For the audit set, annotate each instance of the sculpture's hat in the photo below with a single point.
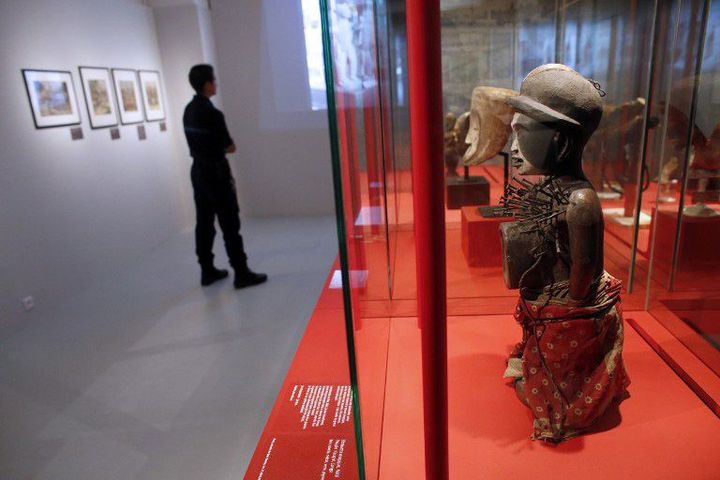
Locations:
(558, 95)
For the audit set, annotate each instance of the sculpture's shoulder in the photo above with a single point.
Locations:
(584, 207)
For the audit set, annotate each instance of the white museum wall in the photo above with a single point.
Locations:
(207, 36)
(185, 39)
(75, 211)
(282, 165)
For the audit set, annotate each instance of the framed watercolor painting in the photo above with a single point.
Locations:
(152, 95)
(52, 98)
(127, 91)
(99, 98)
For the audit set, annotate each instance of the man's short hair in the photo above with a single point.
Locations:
(199, 75)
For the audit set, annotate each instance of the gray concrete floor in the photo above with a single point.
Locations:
(149, 376)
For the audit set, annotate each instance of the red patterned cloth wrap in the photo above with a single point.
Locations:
(568, 368)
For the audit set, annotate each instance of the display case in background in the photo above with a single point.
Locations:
(683, 265)
(655, 163)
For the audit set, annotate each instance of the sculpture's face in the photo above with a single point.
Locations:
(534, 147)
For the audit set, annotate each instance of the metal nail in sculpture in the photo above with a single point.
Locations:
(568, 368)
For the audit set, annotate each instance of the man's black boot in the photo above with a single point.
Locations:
(247, 278)
(211, 275)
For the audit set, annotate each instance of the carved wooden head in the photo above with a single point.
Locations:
(489, 127)
(556, 113)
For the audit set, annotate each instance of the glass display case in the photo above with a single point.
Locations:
(654, 161)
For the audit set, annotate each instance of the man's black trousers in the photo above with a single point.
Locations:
(214, 193)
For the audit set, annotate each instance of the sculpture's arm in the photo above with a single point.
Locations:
(585, 223)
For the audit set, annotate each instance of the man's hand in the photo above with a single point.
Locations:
(231, 149)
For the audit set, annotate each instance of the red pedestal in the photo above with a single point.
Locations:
(698, 241)
(481, 238)
(460, 191)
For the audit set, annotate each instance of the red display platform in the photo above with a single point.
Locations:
(481, 238)
(310, 421)
(664, 430)
(310, 431)
(698, 241)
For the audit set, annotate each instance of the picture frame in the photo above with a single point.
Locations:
(152, 92)
(52, 97)
(99, 97)
(127, 92)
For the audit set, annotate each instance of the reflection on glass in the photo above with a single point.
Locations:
(492, 44)
(654, 163)
(683, 291)
(353, 38)
(314, 53)
(368, 58)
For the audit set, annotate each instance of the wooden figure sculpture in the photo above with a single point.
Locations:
(488, 132)
(467, 189)
(568, 368)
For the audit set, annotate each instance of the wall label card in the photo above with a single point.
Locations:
(142, 135)
(321, 457)
(76, 133)
(320, 408)
(163, 126)
(114, 133)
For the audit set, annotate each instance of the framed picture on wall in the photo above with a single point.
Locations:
(127, 91)
(52, 98)
(99, 98)
(152, 95)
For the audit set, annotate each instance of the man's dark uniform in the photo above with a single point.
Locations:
(213, 183)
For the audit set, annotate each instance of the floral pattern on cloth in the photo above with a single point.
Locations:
(568, 368)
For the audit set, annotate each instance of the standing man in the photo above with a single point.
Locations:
(213, 183)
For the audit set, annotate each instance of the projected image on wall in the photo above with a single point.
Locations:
(352, 30)
(314, 53)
